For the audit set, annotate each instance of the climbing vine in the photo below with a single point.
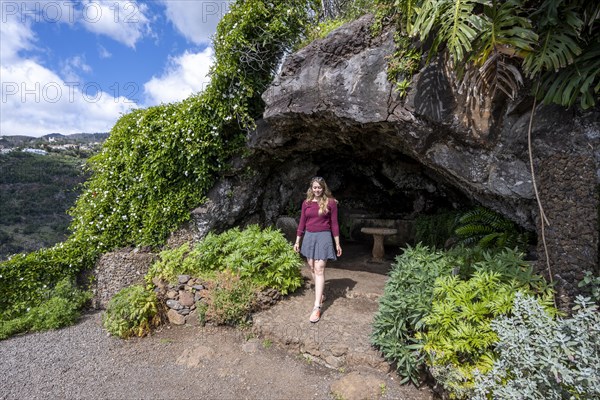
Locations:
(159, 162)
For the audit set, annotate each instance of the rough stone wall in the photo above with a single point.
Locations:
(117, 270)
(569, 197)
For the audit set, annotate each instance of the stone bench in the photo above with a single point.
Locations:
(378, 235)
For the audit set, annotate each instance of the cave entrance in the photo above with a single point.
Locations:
(389, 192)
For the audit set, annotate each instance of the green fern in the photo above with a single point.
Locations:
(435, 230)
(488, 229)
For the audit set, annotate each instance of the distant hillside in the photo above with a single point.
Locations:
(35, 193)
(80, 145)
(76, 138)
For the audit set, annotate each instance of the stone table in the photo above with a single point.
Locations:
(378, 235)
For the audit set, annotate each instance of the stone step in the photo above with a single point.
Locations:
(341, 338)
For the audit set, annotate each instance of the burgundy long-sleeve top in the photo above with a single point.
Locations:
(311, 221)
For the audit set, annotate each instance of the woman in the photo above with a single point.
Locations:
(318, 222)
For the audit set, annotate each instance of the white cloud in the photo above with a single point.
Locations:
(36, 101)
(71, 67)
(196, 20)
(122, 20)
(185, 75)
(103, 52)
(125, 21)
(14, 36)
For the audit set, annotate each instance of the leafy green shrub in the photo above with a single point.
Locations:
(61, 308)
(25, 278)
(172, 263)
(488, 229)
(133, 311)
(458, 337)
(230, 299)
(543, 358)
(261, 256)
(158, 163)
(591, 283)
(406, 300)
(403, 63)
(400, 325)
(434, 230)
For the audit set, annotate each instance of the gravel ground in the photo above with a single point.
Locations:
(82, 362)
(185, 362)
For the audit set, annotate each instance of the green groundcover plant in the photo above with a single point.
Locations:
(457, 334)
(230, 299)
(61, 307)
(133, 311)
(406, 300)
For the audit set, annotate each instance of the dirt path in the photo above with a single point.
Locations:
(282, 357)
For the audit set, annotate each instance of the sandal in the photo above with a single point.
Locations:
(315, 316)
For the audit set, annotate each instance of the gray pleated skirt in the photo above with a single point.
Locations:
(318, 246)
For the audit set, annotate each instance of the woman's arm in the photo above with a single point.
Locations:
(335, 227)
(301, 227)
(338, 248)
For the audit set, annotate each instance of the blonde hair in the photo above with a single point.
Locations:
(324, 200)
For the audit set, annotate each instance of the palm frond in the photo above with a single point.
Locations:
(504, 31)
(504, 37)
(498, 73)
(456, 22)
(426, 18)
(559, 45)
(407, 10)
(580, 80)
(591, 13)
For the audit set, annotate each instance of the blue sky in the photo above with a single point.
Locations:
(75, 66)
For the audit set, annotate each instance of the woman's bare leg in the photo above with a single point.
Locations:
(319, 279)
(311, 266)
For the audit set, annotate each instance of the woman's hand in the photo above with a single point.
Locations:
(297, 247)
(338, 249)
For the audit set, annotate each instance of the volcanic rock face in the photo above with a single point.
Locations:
(333, 107)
